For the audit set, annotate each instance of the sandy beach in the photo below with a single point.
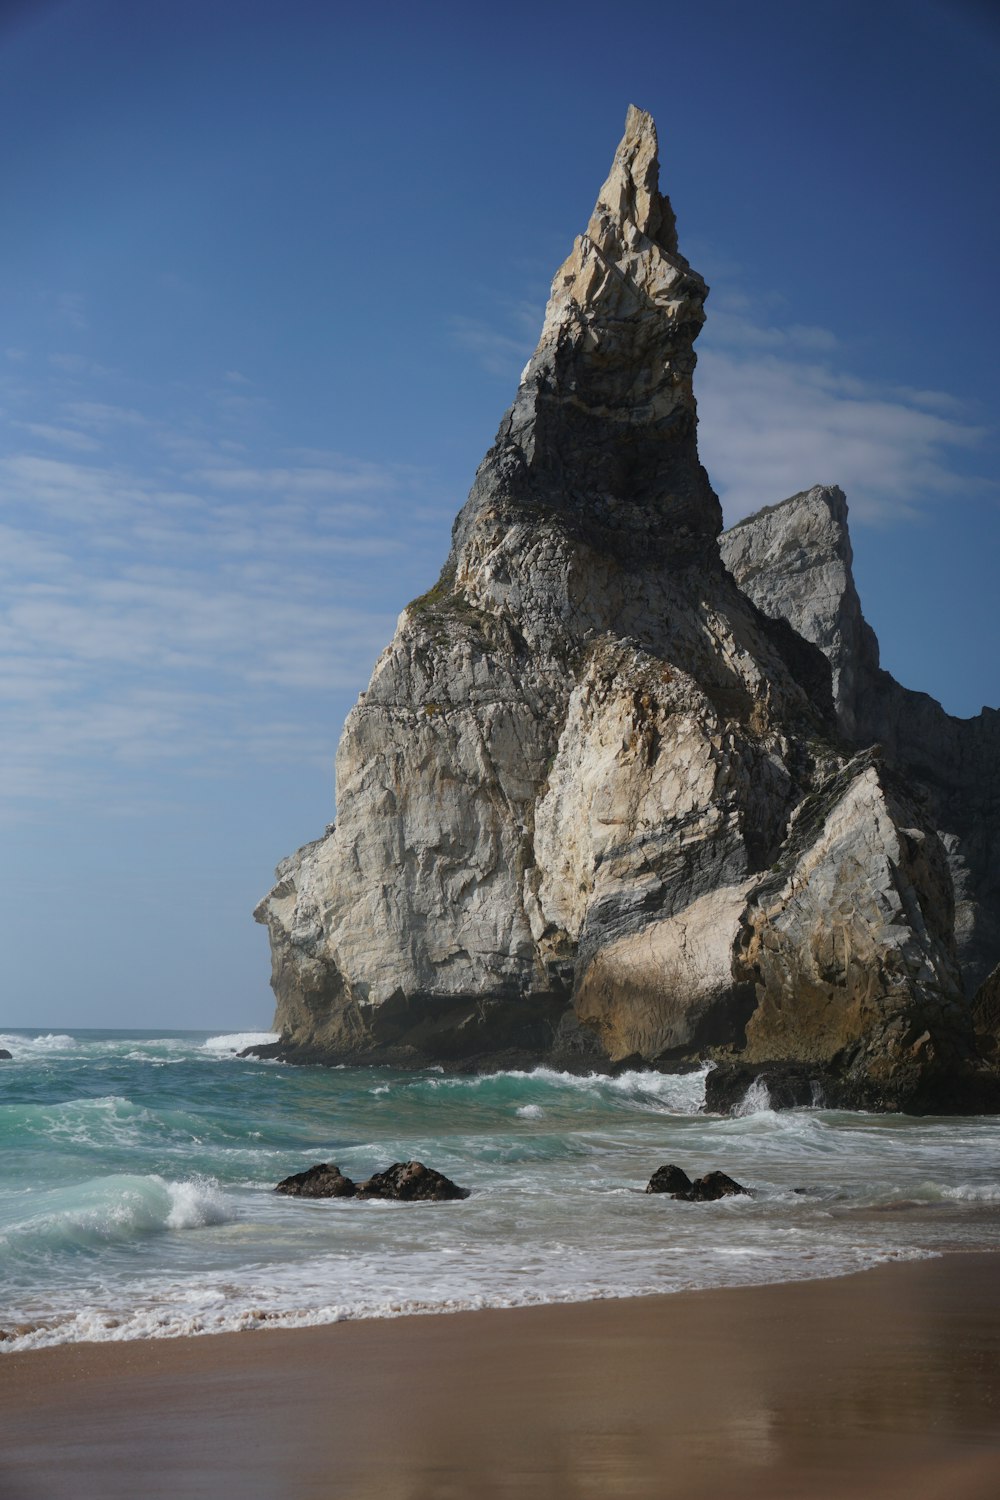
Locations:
(883, 1384)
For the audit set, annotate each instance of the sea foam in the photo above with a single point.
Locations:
(237, 1041)
(108, 1210)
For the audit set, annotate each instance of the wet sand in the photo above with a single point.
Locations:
(881, 1385)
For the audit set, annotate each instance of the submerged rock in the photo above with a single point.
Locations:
(319, 1181)
(411, 1182)
(707, 1189)
(596, 801)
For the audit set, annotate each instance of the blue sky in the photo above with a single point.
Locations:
(268, 275)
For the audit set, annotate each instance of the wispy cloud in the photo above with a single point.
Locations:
(70, 309)
(780, 410)
(737, 329)
(62, 437)
(78, 364)
(172, 599)
(344, 478)
(497, 352)
(104, 415)
(502, 342)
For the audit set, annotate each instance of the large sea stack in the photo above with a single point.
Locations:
(601, 800)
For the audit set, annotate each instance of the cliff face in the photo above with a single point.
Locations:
(794, 560)
(595, 801)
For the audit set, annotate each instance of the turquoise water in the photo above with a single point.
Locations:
(137, 1174)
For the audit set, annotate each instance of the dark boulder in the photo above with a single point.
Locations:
(971, 1089)
(788, 1085)
(319, 1181)
(670, 1179)
(716, 1185)
(404, 1181)
(411, 1182)
(264, 1052)
(6, 1056)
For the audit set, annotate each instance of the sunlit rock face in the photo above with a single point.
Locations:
(595, 803)
(795, 561)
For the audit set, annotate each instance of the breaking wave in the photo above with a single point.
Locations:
(107, 1210)
(237, 1041)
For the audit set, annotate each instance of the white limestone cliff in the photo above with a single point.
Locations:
(578, 803)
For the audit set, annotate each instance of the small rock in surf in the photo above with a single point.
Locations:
(404, 1182)
(410, 1182)
(714, 1185)
(319, 1181)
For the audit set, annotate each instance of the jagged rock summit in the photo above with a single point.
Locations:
(596, 804)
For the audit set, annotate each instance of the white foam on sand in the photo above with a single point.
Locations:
(194, 1310)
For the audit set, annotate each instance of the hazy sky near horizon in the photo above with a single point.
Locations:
(268, 275)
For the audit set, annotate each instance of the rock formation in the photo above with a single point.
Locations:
(596, 803)
(403, 1182)
(412, 1182)
(708, 1189)
(318, 1181)
(794, 560)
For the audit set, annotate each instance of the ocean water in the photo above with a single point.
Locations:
(137, 1175)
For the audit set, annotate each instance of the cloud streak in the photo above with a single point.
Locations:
(771, 425)
(155, 615)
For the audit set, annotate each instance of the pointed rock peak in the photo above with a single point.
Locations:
(625, 291)
(631, 193)
(627, 266)
(826, 502)
(603, 428)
